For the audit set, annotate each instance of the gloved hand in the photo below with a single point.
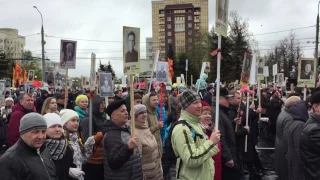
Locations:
(75, 173)
(90, 141)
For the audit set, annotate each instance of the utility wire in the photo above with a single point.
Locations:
(284, 30)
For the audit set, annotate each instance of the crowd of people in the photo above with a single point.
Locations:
(174, 135)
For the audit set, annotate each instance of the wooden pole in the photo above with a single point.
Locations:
(66, 91)
(259, 97)
(186, 79)
(292, 88)
(132, 107)
(238, 114)
(305, 93)
(247, 122)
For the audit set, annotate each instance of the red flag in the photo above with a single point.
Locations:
(215, 52)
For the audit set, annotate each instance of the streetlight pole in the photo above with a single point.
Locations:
(42, 44)
(317, 34)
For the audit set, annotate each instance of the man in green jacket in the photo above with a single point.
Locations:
(193, 149)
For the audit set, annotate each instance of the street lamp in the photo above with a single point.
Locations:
(317, 33)
(42, 44)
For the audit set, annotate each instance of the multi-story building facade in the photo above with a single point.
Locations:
(149, 50)
(11, 43)
(177, 22)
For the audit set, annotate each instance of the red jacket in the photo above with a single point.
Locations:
(217, 161)
(13, 135)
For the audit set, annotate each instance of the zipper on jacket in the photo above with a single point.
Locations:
(38, 152)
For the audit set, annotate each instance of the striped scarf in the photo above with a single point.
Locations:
(57, 148)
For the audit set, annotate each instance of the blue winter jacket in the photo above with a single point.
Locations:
(164, 119)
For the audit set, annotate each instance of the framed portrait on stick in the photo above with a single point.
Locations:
(306, 72)
(30, 75)
(131, 50)
(162, 71)
(68, 52)
(246, 68)
(105, 84)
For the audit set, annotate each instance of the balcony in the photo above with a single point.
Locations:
(197, 13)
(197, 20)
(179, 29)
(179, 22)
(161, 15)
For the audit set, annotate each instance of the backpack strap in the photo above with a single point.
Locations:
(193, 132)
(194, 136)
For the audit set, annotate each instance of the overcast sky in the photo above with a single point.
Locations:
(104, 19)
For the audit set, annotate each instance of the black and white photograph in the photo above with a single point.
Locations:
(307, 72)
(2, 89)
(31, 75)
(105, 84)
(162, 71)
(280, 79)
(68, 54)
(222, 17)
(222, 10)
(131, 50)
(260, 66)
(307, 69)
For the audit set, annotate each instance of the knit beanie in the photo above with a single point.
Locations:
(188, 97)
(138, 109)
(52, 119)
(78, 99)
(30, 122)
(66, 115)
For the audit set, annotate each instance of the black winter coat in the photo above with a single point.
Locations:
(21, 162)
(284, 121)
(310, 147)
(299, 113)
(63, 165)
(119, 161)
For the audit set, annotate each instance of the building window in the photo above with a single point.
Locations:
(169, 41)
(169, 33)
(190, 32)
(169, 18)
(189, 17)
(189, 25)
(150, 50)
(189, 10)
(190, 40)
(169, 26)
(150, 43)
(162, 34)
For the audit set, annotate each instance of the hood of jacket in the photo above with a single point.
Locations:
(96, 105)
(146, 102)
(298, 111)
(314, 116)
(109, 125)
(204, 77)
